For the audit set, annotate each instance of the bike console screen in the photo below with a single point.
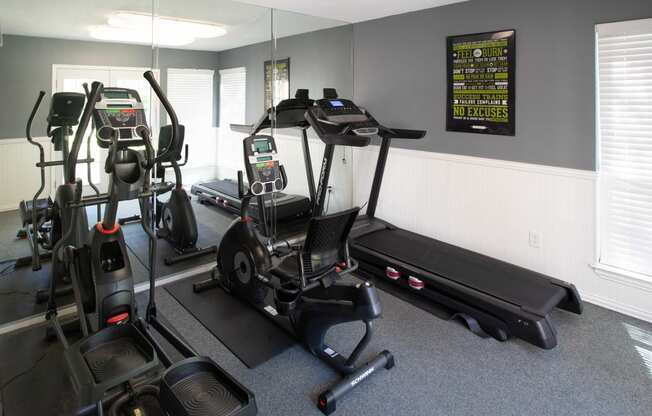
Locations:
(262, 164)
(120, 112)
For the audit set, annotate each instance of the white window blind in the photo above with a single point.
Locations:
(233, 96)
(233, 107)
(624, 52)
(190, 92)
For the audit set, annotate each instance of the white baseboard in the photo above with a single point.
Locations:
(617, 306)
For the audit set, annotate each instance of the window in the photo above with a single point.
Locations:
(190, 92)
(624, 108)
(233, 106)
(233, 88)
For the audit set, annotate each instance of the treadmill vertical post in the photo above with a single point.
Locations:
(308, 163)
(378, 176)
(327, 162)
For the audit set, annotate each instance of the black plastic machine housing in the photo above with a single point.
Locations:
(491, 295)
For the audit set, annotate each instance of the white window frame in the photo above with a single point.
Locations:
(616, 274)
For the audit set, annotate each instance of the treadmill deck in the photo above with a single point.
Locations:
(510, 283)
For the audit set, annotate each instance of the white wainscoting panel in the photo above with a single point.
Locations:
(19, 177)
(492, 206)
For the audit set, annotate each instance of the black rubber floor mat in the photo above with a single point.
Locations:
(33, 375)
(246, 332)
(18, 293)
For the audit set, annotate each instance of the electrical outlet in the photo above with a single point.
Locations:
(534, 239)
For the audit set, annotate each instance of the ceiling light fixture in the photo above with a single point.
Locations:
(165, 31)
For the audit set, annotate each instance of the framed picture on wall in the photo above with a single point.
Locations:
(280, 85)
(481, 83)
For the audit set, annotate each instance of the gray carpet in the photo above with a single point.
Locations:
(599, 368)
(602, 366)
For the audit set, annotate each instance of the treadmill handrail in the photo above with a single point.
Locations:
(405, 134)
(242, 128)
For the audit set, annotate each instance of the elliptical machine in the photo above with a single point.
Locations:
(45, 220)
(299, 287)
(119, 364)
(175, 218)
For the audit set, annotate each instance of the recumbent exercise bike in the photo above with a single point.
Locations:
(299, 287)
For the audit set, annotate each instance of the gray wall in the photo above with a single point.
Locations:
(400, 75)
(317, 59)
(26, 67)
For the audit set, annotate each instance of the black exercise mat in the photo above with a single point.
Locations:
(34, 375)
(18, 290)
(18, 293)
(249, 335)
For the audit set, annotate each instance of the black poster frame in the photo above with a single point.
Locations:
(483, 126)
(269, 82)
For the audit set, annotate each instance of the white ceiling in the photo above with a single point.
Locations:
(352, 10)
(70, 19)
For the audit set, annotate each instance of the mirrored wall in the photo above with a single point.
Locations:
(310, 54)
(223, 64)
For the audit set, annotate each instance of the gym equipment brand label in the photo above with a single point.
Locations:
(481, 76)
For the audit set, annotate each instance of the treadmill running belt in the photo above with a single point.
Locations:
(496, 278)
(225, 186)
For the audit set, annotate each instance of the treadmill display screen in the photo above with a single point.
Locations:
(336, 103)
(262, 146)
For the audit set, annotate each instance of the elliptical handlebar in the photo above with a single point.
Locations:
(176, 132)
(96, 89)
(28, 129)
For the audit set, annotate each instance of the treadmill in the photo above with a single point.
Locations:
(492, 296)
(223, 193)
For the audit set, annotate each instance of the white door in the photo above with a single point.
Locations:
(71, 78)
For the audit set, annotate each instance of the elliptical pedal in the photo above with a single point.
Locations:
(198, 387)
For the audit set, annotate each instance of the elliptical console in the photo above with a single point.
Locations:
(119, 110)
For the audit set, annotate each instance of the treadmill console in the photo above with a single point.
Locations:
(341, 112)
(119, 111)
(262, 165)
